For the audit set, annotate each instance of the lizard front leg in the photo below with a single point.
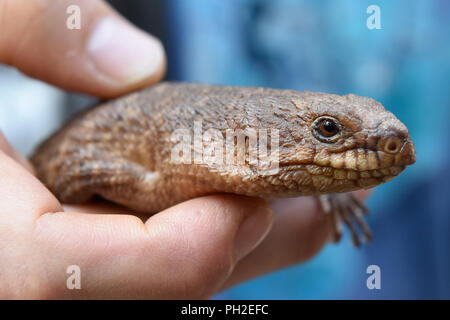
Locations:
(118, 180)
(346, 208)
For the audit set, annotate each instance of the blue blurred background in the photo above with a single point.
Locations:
(318, 46)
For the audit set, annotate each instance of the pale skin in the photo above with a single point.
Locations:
(192, 250)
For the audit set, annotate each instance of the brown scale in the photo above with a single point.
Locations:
(329, 145)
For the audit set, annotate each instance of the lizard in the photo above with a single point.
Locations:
(128, 150)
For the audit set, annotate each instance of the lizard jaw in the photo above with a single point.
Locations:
(326, 179)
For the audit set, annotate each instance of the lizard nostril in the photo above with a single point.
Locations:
(393, 145)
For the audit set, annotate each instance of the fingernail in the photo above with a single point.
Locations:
(122, 52)
(252, 231)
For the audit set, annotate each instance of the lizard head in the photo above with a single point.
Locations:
(344, 143)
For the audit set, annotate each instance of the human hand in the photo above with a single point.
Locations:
(192, 250)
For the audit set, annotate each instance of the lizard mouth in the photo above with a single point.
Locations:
(325, 171)
(346, 174)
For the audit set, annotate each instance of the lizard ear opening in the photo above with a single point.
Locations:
(326, 129)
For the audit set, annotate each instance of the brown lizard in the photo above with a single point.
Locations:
(328, 145)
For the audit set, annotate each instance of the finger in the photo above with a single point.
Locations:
(298, 233)
(106, 56)
(186, 251)
(14, 154)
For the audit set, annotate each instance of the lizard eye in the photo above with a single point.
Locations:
(326, 129)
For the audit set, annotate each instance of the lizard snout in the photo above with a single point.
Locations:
(401, 148)
(406, 155)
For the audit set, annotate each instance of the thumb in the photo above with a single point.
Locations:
(81, 45)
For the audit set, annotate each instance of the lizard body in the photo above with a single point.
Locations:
(123, 150)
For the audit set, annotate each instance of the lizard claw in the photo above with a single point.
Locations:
(346, 208)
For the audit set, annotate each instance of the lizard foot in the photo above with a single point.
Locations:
(346, 208)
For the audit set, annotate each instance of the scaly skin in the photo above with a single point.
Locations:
(122, 149)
